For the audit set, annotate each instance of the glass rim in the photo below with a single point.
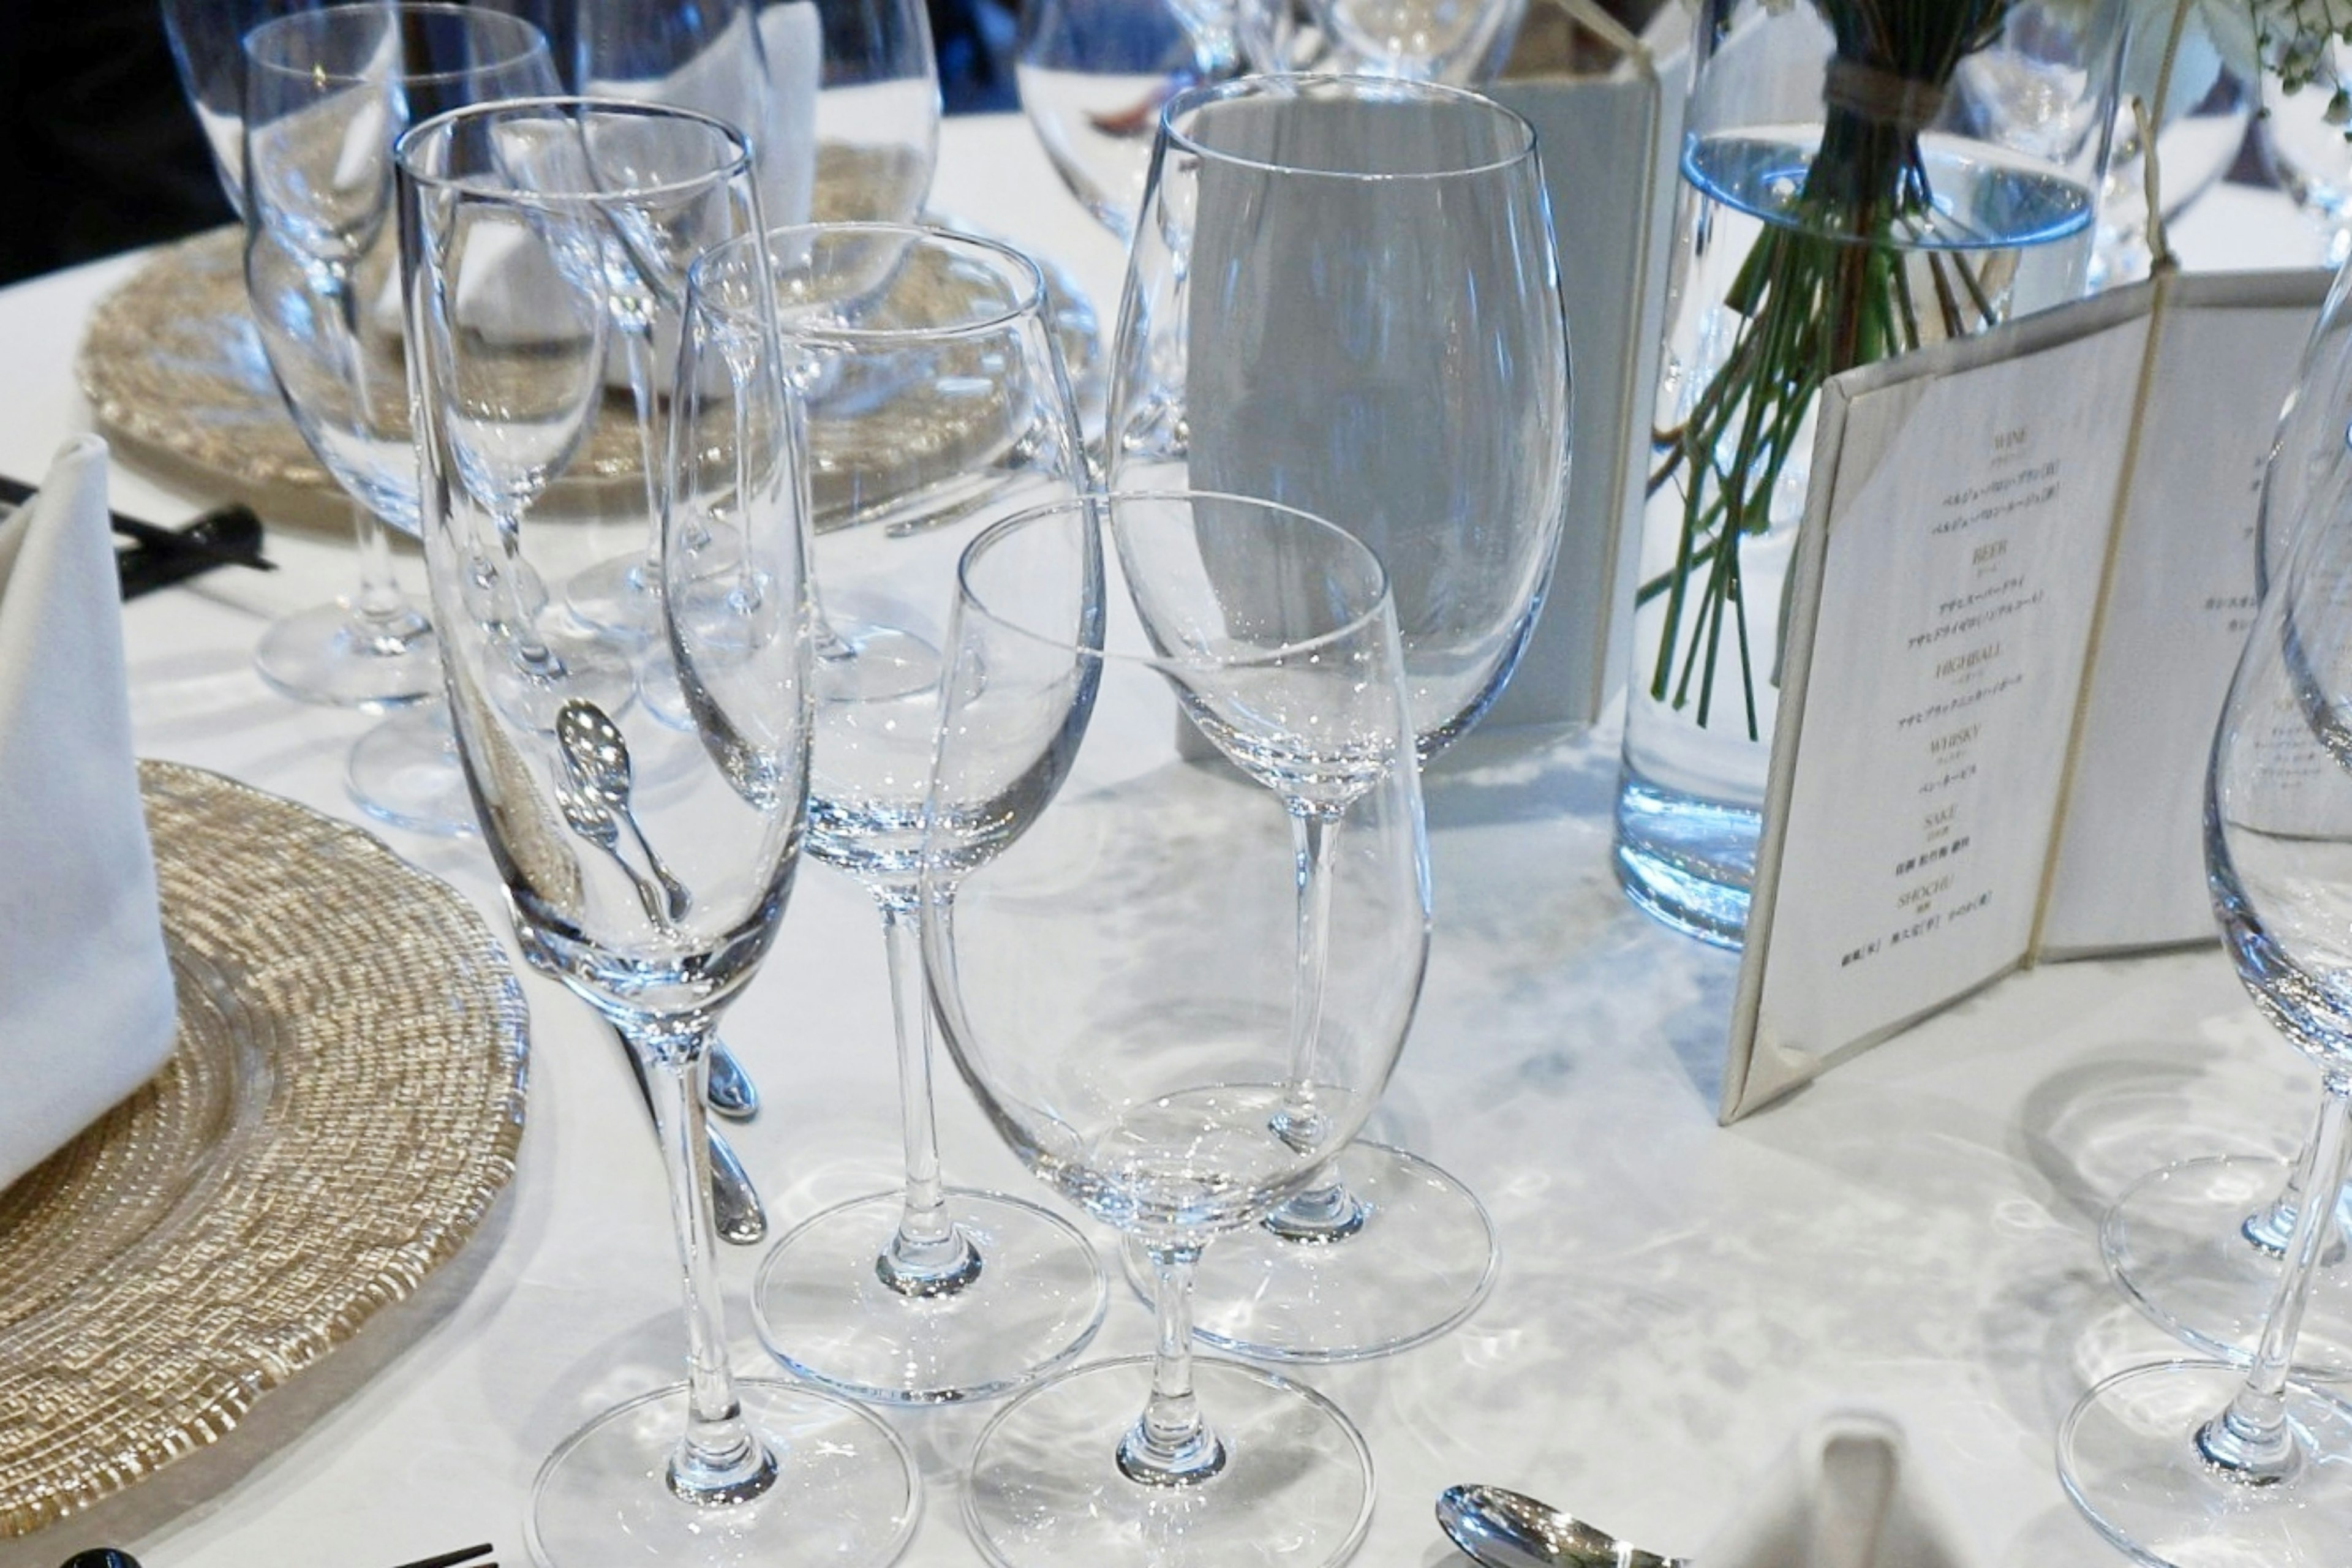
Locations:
(403, 150)
(1365, 89)
(1099, 502)
(1029, 303)
(529, 34)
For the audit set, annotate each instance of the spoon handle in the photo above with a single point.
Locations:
(729, 1091)
(736, 1209)
(679, 900)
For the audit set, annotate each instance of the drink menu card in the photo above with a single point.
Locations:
(2025, 572)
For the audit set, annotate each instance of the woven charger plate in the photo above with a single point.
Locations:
(344, 1099)
(175, 374)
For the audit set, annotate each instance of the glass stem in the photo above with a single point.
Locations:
(2272, 1226)
(718, 1459)
(2250, 1440)
(1327, 1211)
(384, 613)
(637, 349)
(926, 1255)
(1169, 1445)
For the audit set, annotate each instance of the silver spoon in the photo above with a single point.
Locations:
(589, 817)
(735, 1209)
(1510, 1530)
(596, 761)
(596, 806)
(729, 1091)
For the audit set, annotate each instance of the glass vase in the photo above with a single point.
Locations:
(1860, 178)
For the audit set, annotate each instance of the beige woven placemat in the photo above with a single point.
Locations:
(344, 1100)
(175, 374)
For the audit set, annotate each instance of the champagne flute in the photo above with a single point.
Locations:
(1344, 298)
(325, 92)
(1110, 929)
(646, 868)
(2197, 1462)
(935, 404)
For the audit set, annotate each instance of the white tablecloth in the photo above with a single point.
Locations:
(1917, 1229)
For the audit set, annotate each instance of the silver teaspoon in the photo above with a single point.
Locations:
(597, 761)
(1510, 1530)
(588, 817)
(735, 1209)
(730, 1090)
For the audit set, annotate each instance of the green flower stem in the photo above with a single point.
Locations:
(1827, 290)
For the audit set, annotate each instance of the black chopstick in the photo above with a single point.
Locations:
(451, 1559)
(224, 536)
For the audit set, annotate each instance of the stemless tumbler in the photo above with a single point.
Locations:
(1343, 297)
(1112, 933)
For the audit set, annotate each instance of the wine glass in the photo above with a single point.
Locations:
(1113, 936)
(2197, 1462)
(2207, 108)
(840, 101)
(1093, 75)
(1344, 298)
(700, 56)
(2196, 1244)
(2309, 157)
(876, 118)
(207, 42)
(1458, 41)
(325, 92)
(648, 867)
(934, 403)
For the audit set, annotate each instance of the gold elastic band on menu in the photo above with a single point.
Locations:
(1881, 95)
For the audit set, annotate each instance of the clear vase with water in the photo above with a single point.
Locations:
(1861, 179)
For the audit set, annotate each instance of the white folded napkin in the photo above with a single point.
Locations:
(1844, 1494)
(86, 1004)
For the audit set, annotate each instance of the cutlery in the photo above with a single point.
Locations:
(594, 801)
(596, 762)
(729, 1091)
(224, 536)
(115, 1557)
(1504, 1529)
(451, 1559)
(591, 820)
(735, 1203)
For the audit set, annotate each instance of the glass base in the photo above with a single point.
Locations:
(616, 596)
(329, 653)
(847, 1492)
(1045, 1489)
(587, 667)
(2128, 1454)
(859, 661)
(1423, 1260)
(825, 1313)
(1685, 860)
(405, 772)
(2174, 1246)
